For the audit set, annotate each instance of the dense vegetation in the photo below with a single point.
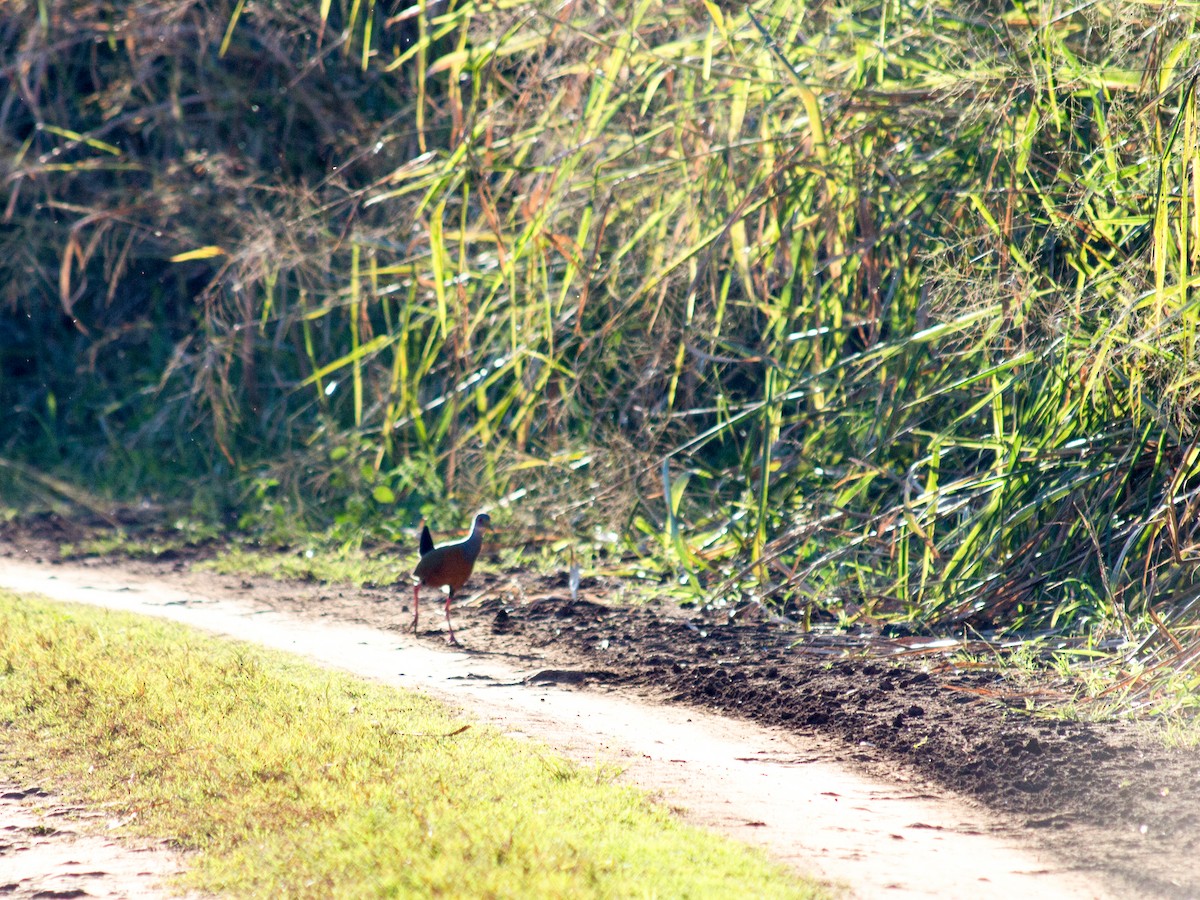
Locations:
(876, 308)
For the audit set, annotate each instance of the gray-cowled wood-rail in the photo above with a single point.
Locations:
(447, 567)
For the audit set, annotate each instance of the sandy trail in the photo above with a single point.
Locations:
(43, 854)
(786, 794)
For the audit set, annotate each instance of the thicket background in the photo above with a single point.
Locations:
(875, 309)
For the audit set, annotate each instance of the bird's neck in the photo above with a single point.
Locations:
(473, 542)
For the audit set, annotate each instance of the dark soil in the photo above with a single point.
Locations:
(1104, 796)
(1109, 792)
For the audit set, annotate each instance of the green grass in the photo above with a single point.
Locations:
(300, 782)
(337, 566)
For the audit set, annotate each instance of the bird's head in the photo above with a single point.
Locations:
(483, 520)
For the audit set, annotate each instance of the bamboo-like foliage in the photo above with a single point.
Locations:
(874, 309)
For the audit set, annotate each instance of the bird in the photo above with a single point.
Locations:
(448, 566)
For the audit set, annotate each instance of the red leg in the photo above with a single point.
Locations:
(453, 639)
(416, 608)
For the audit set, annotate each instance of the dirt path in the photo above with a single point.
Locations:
(766, 786)
(45, 852)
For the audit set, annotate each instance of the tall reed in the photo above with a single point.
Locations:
(865, 310)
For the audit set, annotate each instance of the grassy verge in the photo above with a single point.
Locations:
(344, 565)
(295, 781)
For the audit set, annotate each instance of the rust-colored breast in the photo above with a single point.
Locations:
(445, 567)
